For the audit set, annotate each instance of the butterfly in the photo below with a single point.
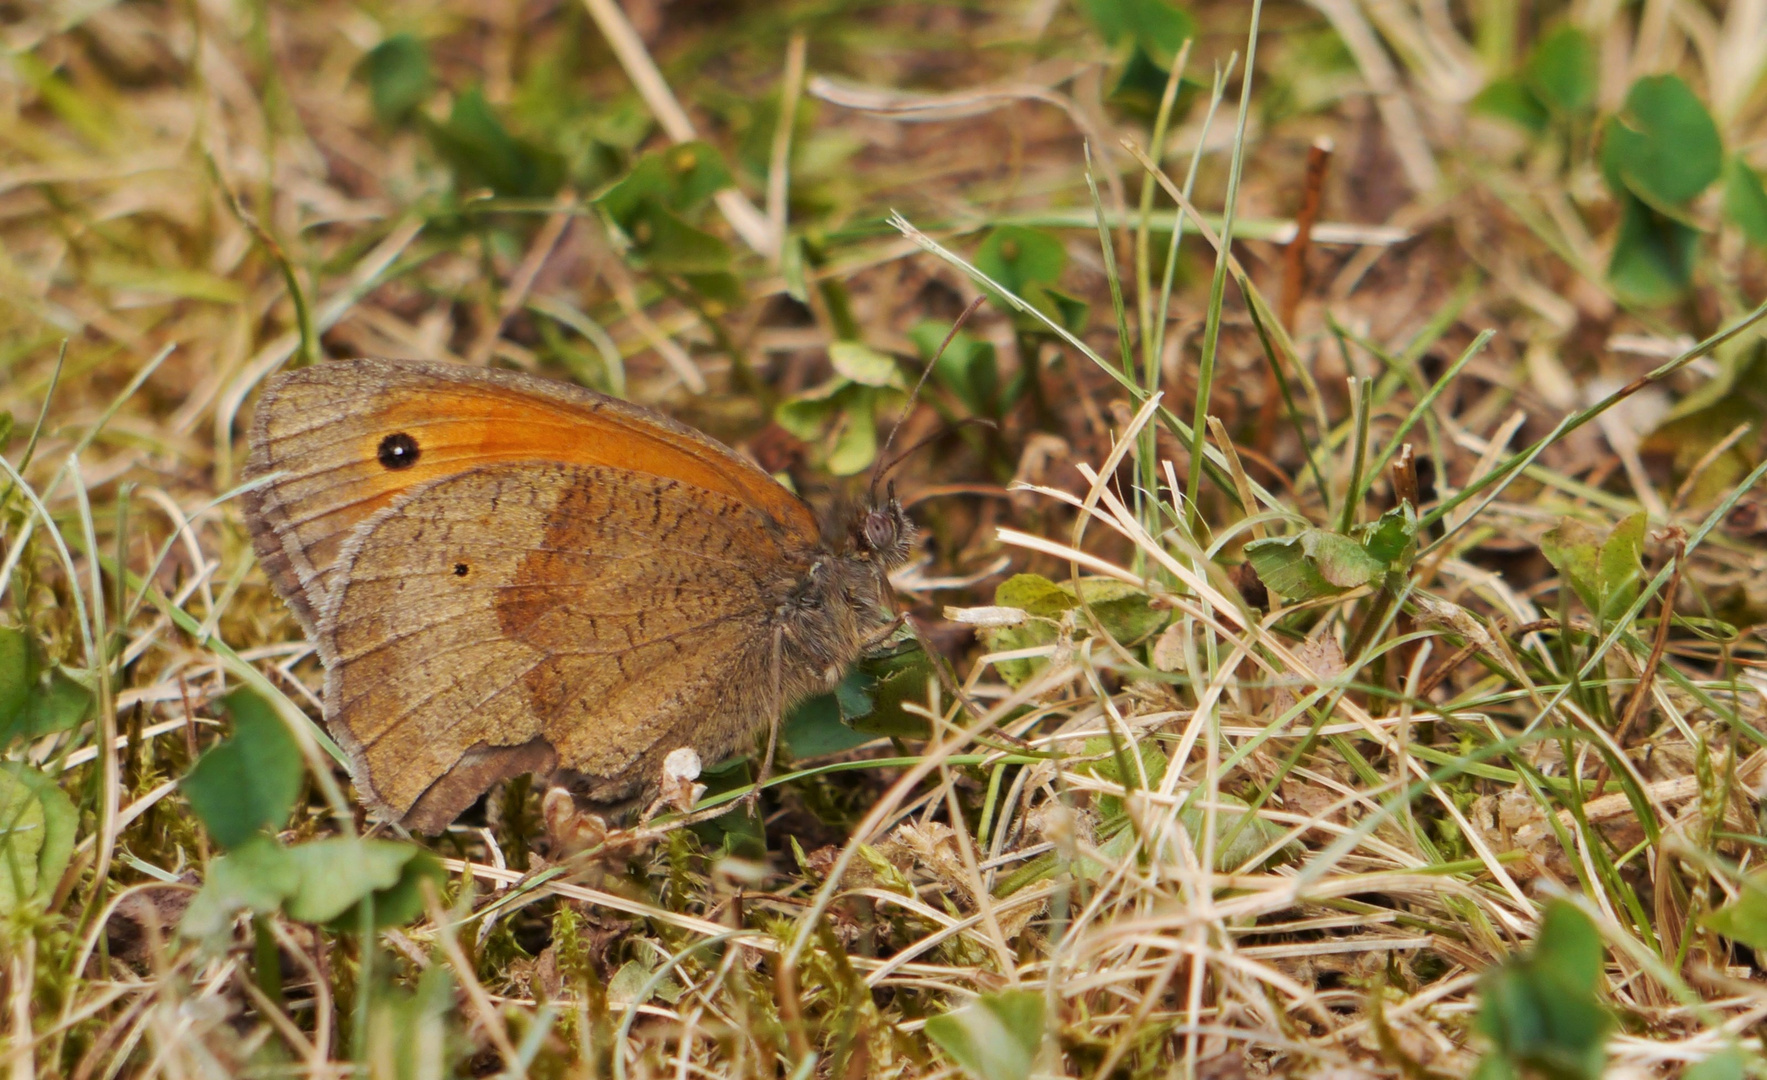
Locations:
(505, 574)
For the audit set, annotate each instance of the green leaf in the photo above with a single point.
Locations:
(1141, 85)
(1744, 919)
(410, 1031)
(721, 291)
(1562, 72)
(399, 78)
(1016, 256)
(807, 414)
(248, 783)
(1392, 539)
(34, 701)
(855, 442)
(865, 365)
(1108, 768)
(1029, 635)
(1540, 1010)
(1604, 571)
(337, 874)
(1570, 946)
(1313, 564)
(967, 368)
(893, 679)
(740, 833)
(1726, 1064)
(681, 179)
(669, 245)
(994, 1038)
(1511, 99)
(1340, 559)
(17, 676)
(256, 876)
(37, 824)
(1069, 312)
(1663, 146)
(1121, 609)
(1745, 202)
(483, 153)
(695, 172)
(1156, 27)
(815, 728)
(1653, 255)
(1035, 595)
(1254, 836)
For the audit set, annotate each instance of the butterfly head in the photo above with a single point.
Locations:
(883, 534)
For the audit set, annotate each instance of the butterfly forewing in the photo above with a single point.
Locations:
(348, 438)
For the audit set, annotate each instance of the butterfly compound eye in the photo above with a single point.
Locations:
(886, 532)
(397, 451)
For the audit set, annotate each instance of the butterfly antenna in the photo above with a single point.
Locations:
(914, 396)
(889, 466)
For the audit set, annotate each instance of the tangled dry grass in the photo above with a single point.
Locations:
(1168, 818)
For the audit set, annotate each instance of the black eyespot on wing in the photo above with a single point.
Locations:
(398, 451)
(460, 569)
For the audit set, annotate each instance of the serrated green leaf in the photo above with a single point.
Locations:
(248, 783)
(994, 1038)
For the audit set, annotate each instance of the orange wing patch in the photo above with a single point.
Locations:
(352, 436)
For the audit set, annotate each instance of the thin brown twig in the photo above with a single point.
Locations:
(1665, 618)
(1294, 281)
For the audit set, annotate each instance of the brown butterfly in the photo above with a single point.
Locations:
(506, 574)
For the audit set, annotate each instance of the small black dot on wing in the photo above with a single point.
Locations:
(398, 451)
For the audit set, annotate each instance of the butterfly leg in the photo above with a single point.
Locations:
(775, 707)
